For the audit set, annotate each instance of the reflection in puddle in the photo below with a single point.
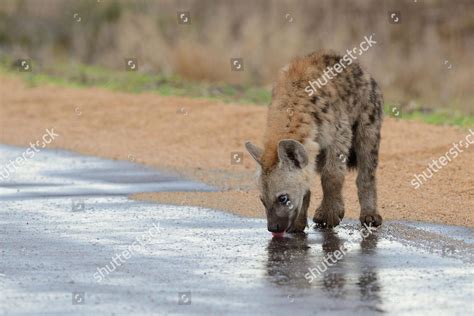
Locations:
(288, 260)
(293, 262)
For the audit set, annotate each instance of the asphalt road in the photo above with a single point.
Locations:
(73, 244)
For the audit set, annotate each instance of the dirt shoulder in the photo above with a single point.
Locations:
(196, 138)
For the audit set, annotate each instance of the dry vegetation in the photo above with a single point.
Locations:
(408, 60)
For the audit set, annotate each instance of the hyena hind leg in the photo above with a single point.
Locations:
(367, 151)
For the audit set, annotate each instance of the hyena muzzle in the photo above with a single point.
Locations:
(325, 126)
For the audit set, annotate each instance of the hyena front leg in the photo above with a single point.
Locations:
(367, 151)
(332, 169)
(301, 221)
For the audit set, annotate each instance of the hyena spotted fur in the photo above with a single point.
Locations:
(329, 130)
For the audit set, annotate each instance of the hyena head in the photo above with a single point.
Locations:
(285, 186)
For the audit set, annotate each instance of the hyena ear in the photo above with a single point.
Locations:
(254, 151)
(291, 152)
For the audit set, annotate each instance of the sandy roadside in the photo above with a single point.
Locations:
(196, 138)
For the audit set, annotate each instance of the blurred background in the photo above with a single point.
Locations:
(423, 61)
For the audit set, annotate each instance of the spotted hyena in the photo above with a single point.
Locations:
(327, 126)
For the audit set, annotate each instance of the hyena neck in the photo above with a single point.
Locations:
(312, 149)
(289, 117)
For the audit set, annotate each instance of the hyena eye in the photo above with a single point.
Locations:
(283, 199)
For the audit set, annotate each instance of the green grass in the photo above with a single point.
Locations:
(440, 118)
(435, 116)
(79, 76)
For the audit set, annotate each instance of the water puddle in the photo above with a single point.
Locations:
(67, 227)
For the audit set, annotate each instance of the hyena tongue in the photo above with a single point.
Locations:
(278, 235)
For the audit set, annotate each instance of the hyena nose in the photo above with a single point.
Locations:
(274, 228)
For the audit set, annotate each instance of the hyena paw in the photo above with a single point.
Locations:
(371, 219)
(298, 227)
(328, 217)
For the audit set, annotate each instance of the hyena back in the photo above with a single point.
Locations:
(329, 129)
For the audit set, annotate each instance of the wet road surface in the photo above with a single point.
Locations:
(67, 227)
